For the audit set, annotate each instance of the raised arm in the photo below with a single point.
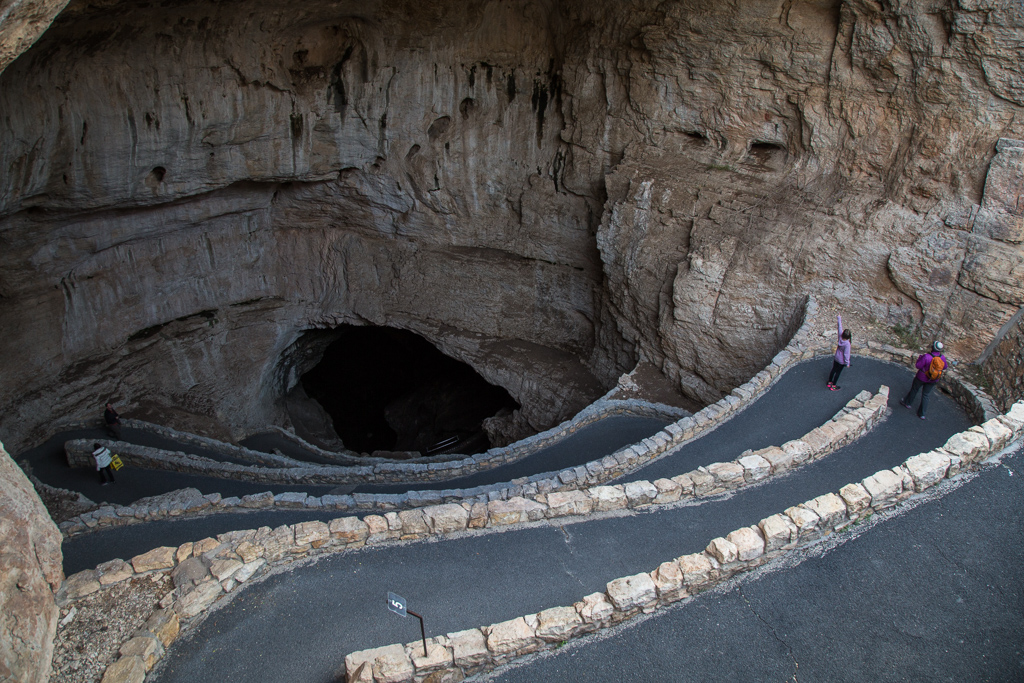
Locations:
(839, 323)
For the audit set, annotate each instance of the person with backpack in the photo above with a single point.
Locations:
(103, 457)
(842, 358)
(930, 367)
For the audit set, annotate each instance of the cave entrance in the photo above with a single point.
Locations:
(387, 389)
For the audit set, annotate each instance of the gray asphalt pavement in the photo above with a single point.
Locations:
(792, 407)
(933, 594)
(298, 625)
(48, 462)
(795, 405)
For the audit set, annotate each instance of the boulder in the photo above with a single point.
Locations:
(131, 669)
(632, 592)
(927, 469)
(447, 518)
(469, 648)
(349, 530)
(557, 624)
(512, 636)
(113, 571)
(608, 498)
(883, 487)
(749, 543)
(565, 503)
(30, 574)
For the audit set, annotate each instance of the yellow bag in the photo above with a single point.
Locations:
(115, 462)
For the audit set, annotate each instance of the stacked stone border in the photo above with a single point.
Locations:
(452, 656)
(188, 502)
(858, 416)
(281, 469)
(204, 571)
(400, 472)
(389, 472)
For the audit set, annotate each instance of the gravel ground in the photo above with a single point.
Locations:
(92, 629)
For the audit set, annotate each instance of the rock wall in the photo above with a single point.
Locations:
(1003, 362)
(211, 211)
(30, 573)
(21, 23)
(548, 191)
(841, 148)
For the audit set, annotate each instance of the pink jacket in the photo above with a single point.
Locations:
(842, 346)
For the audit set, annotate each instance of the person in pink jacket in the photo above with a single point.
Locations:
(842, 357)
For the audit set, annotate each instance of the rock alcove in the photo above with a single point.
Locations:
(386, 389)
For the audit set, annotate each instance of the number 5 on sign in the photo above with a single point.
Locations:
(396, 603)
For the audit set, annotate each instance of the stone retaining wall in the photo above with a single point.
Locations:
(188, 501)
(857, 416)
(452, 656)
(806, 344)
(236, 557)
(204, 571)
(276, 469)
(801, 346)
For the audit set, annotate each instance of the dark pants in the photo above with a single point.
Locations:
(114, 430)
(926, 390)
(105, 474)
(837, 368)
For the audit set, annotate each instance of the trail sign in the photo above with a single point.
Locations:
(396, 603)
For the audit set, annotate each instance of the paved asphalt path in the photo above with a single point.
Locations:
(590, 443)
(792, 407)
(49, 464)
(84, 552)
(299, 624)
(795, 405)
(933, 594)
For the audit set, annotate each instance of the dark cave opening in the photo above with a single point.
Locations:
(387, 389)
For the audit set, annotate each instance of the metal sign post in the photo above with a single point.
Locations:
(397, 604)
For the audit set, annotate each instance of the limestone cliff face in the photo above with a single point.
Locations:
(30, 574)
(251, 179)
(844, 148)
(548, 191)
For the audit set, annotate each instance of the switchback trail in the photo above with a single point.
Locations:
(299, 624)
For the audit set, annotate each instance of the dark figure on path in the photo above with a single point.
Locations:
(113, 421)
(103, 456)
(842, 357)
(930, 367)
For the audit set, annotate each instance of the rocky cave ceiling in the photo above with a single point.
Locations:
(547, 191)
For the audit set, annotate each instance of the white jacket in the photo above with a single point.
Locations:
(102, 456)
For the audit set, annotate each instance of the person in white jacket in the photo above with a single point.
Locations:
(103, 456)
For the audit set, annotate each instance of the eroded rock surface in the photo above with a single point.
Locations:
(546, 191)
(30, 574)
